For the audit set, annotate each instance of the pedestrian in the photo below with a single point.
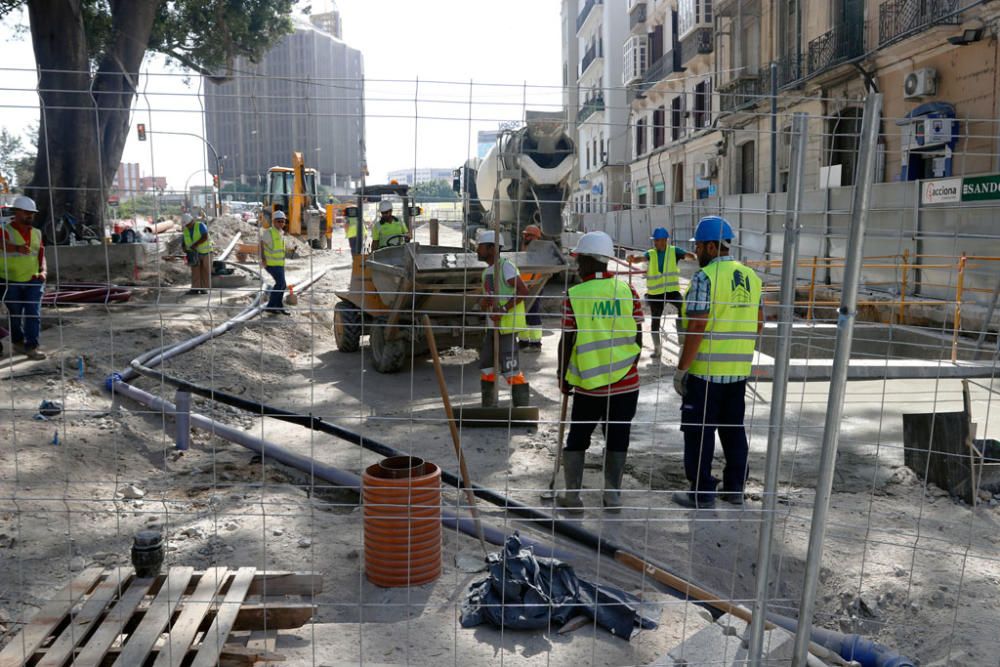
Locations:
(598, 357)
(721, 319)
(529, 339)
(505, 314)
(272, 258)
(24, 277)
(198, 248)
(388, 227)
(663, 280)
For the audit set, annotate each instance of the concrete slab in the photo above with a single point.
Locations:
(119, 262)
(725, 643)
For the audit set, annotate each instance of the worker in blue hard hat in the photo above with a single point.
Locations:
(663, 280)
(721, 318)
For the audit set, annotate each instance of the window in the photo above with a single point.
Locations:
(642, 200)
(693, 14)
(640, 137)
(659, 195)
(703, 104)
(659, 122)
(678, 182)
(675, 118)
(597, 156)
(746, 172)
(636, 58)
(588, 156)
(603, 154)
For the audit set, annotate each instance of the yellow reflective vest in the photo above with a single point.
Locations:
(192, 235)
(605, 346)
(731, 332)
(667, 281)
(274, 254)
(514, 320)
(383, 231)
(18, 268)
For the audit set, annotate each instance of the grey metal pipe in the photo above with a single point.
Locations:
(229, 248)
(783, 353)
(838, 381)
(774, 132)
(182, 419)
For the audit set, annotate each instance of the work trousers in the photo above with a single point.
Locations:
(533, 319)
(614, 413)
(509, 362)
(657, 302)
(276, 295)
(24, 307)
(709, 407)
(201, 273)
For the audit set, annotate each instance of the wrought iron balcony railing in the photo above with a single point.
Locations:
(900, 18)
(637, 15)
(844, 42)
(590, 107)
(742, 93)
(698, 42)
(581, 18)
(592, 54)
(658, 71)
(790, 70)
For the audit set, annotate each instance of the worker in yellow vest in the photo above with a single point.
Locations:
(272, 258)
(198, 248)
(505, 311)
(663, 280)
(530, 338)
(388, 229)
(23, 272)
(721, 318)
(598, 355)
(354, 230)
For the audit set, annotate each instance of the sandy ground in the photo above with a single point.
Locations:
(904, 564)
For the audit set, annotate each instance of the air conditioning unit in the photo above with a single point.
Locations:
(707, 169)
(920, 83)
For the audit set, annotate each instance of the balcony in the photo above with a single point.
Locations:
(636, 15)
(845, 42)
(697, 43)
(658, 71)
(898, 19)
(790, 71)
(733, 8)
(585, 12)
(592, 54)
(590, 107)
(742, 93)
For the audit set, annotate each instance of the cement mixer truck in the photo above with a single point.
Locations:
(525, 178)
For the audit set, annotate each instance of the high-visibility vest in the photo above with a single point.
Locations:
(385, 230)
(18, 268)
(274, 255)
(605, 347)
(731, 332)
(514, 320)
(352, 227)
(192, 235)
(670, 279)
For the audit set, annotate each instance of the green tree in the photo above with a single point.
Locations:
(89, 53)
(11, 150)
(439, 190)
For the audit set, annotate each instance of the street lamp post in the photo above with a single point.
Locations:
(218, 163)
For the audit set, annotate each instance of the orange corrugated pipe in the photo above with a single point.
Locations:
(401, 496)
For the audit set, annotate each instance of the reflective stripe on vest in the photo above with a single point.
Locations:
(192, 236)
(386, 230)
(275, 254)
(731, 332)
(605, 347)
(670, 279)
(18, 268)
(514, 320)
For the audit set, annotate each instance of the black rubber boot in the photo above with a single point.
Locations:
(569, 499)
(614, 470)
(489, 398)
(519, 395)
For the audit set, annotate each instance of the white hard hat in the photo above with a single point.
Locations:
(186, 218)
(280, 215)
(25, 204)
(489, 236)
(596, 244)
(385, 206)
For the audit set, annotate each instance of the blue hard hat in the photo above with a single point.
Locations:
(660, 233)
(713, 228)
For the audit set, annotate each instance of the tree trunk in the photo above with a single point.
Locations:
(84, 119)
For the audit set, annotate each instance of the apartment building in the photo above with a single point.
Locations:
(697, 75)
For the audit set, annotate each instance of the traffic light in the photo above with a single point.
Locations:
(141, 129)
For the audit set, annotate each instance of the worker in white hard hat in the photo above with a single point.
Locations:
(598, 364)
(198, 248)
(388, 229)
(505, 309)
(272, 258)
(22, 267)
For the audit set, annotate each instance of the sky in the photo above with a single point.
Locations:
(436, 71)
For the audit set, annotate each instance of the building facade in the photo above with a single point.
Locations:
(150, 183)
(127, 182)
(421, 175)
(697, 76)
(304, 95)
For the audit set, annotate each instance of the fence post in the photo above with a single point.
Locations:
(903, 286)
(838, 379)
(432, 226)
(956, 324)
(812, 289)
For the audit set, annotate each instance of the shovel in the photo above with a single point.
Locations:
(550, 493)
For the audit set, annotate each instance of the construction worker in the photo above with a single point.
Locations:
(354, 230)
(505, 314)
(598, 356)
(272, 258)
(198, 247)
(23, 272)
(529, 339)
(387, 227)
(721, 318)
(663, 280)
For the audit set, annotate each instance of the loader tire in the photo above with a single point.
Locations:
(347, 327)
(388, 356)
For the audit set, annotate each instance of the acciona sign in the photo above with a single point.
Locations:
(952, 190)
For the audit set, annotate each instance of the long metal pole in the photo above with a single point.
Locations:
(774, 130)
(838, 379)
(789, 265)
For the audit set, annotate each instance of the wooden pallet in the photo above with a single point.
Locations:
(216, 617)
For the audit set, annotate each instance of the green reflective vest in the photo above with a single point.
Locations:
(731, 332)
(274, 255)
(383, 231)
(605, 348)
(18, 268)
(514, 320)
(192, 235)
(352, 227)
(670, 279)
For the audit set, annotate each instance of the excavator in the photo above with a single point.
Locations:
(294, 190)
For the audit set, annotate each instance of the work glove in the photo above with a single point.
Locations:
(680, 382)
